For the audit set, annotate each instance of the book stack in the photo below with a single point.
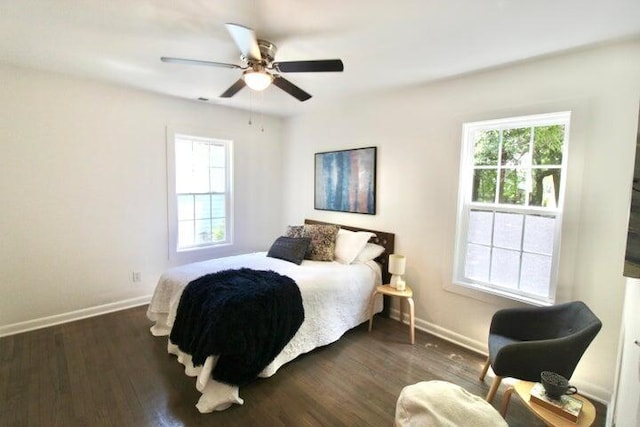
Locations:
(566, 406)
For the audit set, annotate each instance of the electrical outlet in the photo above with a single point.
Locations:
(136, 276)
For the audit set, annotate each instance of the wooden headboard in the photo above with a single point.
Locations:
(382, 238)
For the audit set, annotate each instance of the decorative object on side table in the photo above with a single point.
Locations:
(397, 264)
(564, 405)
(555, 385)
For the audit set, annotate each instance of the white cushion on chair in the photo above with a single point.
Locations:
(439, 403)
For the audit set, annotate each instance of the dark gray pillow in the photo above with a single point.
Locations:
(290, 249)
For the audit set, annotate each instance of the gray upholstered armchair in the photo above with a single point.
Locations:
(526, 341)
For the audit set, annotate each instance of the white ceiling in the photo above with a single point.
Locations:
(383, 43)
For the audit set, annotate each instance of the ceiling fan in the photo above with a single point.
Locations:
(260, 69)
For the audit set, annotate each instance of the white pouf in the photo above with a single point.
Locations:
(440, 403)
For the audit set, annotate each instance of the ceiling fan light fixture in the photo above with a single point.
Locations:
(260, 69)
(257, 80)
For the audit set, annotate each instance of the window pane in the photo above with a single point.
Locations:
(201, 154)
(513, 186)
(505, 268)
(203, 231)
(218, 230)
(218, 206)
(217, 156)
(508, 230)
(515, 147)
(484, 185)
(485, 151)
(477, 261)
(184, 166)
(536, 274)
(218, 179)
(539, 233)
(200, 181)
(183, 153)
(480, 225)
(547, 145)
(185, 207)
(546, 187)
(185, 234)
(203, 206)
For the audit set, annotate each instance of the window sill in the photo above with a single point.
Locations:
(203, 248)
(491, 295)
(183, 256)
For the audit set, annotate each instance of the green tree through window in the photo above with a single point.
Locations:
(530, 168)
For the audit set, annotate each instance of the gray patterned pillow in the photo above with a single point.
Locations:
(323, 241)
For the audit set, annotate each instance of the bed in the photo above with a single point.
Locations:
(335, 297)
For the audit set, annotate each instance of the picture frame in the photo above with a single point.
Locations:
(345, 180)
(632, 254)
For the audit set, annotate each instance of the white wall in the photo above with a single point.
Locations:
(418, 132)
(83, 199)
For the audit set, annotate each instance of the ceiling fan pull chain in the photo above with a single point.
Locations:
(250, 108)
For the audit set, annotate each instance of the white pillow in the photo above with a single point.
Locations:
(349, 244)
(370, 252)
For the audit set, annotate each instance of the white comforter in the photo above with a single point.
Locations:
(335, 299)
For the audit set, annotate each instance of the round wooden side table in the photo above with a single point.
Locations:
(407, 295)
(523, 390)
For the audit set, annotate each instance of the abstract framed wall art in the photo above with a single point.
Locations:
(345, 180)
(632, 255)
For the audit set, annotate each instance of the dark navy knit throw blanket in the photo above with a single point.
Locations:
(245, 316)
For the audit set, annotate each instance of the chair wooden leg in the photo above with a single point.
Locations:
(412, 321)
(485, 368)
(506, 397)
(494, 388)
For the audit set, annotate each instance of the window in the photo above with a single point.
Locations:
(512, 178)
(199, 192)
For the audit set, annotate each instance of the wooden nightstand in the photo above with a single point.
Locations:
(407, 294)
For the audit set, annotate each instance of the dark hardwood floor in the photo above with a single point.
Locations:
(110, 371)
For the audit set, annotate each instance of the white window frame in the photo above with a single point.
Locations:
(465, 205)
(208, 249)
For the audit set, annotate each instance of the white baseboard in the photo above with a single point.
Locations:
(445, 334)
(44, 322)
(588, 390)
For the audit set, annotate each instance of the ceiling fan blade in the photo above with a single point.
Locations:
(245, 39)
(198, 62)
(290, 88)
(309, 66)
(235, 88)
